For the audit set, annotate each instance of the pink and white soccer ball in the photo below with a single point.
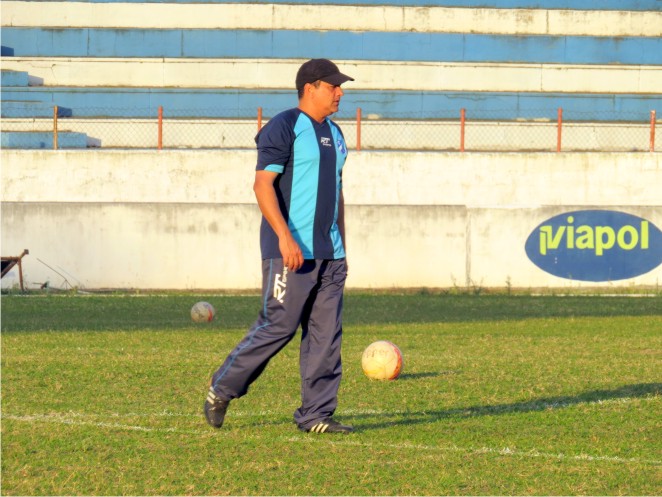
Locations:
(202, 312)
(382, 360)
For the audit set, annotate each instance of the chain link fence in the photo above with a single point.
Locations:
(544, 131)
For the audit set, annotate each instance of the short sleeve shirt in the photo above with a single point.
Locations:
(308, 157)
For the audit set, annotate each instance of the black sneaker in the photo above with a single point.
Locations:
(215, 408)
(328, 425)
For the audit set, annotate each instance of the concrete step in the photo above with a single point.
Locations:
(427, 19)
(372, 75)
(634, 5)
(297, 44)
(14, 78)
(235, 103)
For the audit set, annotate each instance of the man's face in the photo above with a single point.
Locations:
(326, 97)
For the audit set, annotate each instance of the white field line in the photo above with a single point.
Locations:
(238, 413)
(504, 451)
(79, 419)
(75, 420)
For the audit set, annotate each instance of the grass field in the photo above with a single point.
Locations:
(501, 395)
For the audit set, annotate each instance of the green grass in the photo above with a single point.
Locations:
(501, 395)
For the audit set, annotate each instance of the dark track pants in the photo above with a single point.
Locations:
(313, 298)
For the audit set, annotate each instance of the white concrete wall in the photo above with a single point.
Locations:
(382, 75)
(188, 220)
(428, 19)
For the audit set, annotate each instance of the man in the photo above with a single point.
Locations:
(298, 186)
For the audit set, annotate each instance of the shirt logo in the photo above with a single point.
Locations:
(341, 146)
(325, 141)
(280, 286)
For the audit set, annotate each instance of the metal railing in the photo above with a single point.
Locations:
(464, 134)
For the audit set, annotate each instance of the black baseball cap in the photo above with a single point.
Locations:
(320, 69)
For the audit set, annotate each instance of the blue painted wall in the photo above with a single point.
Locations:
(42, 140)
(142, 102)
(207, 43)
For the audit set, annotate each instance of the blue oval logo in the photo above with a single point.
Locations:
(595, 245)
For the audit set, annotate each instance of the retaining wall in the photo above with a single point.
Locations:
(188, 219)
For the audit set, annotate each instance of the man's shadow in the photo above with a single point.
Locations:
(625, 392)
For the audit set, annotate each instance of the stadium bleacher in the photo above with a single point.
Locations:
(109, 66)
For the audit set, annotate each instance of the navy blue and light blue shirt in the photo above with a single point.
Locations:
(308, 157)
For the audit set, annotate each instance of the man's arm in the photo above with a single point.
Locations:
(268, 203)
(341, 223)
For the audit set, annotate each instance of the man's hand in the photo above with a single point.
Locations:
(291, 252)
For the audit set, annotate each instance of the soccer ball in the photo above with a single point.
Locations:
(382, 360)
(202, 312)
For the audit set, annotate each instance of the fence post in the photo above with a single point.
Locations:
(653, 131)
(559, 127)
(160, 139)
(463, 119)
(358, 128)
(55, 128)
(259, 118)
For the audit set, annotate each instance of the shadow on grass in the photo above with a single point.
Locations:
(417, 376)
(595, 397)
(430, 308)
